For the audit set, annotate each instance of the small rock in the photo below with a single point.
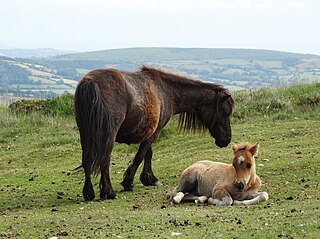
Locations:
(176, 233)
(60, 195)
(163, 206)
(54, 209)
(136, 207)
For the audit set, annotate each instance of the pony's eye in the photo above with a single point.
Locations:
(248, 165)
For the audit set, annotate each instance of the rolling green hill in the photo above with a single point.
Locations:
(170, 54)
(235, 68)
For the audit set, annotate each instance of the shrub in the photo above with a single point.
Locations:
(60, 106)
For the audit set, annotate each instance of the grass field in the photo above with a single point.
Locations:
(40, 194)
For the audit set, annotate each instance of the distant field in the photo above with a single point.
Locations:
(234, 68)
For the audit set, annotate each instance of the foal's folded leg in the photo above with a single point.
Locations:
(220, 197)
(178, 197)
(201, 199)
(257, 197)
(188, 197)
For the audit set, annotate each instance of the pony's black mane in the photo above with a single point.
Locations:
(191, 121)
(178, 79)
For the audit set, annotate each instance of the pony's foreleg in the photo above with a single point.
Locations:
(257, 197)
(147, 177)
(220, 197)
(127, 182)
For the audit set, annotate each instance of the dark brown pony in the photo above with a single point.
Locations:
(132, 108)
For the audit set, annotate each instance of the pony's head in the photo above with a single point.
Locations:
(244, 163)
(216, 117)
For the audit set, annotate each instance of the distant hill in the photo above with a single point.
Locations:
(234, 68)
(33, 53)
(169, 54)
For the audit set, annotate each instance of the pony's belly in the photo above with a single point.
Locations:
(130, 139)
(134, 136)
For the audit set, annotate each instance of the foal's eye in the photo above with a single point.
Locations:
(248, 165)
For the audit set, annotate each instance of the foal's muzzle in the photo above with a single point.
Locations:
(239, 185)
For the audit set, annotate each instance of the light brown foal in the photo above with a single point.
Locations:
(221, 183)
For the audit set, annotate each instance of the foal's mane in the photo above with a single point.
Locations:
(244, 146)
(192, 121)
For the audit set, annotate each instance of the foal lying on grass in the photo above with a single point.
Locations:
(221, 183)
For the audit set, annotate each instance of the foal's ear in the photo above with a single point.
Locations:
(234, 148)
(254, 149)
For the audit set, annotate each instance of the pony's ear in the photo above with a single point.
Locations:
(254, 149)
(226, 95)
(234, 148)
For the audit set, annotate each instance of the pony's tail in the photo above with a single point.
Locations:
(95, 125)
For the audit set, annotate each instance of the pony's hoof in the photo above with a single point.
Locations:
(110, 195)
(127, 186)
(88, 197)
(157, 184)
(149, 179)
(88, 194)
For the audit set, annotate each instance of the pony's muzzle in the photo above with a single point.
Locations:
(223, 143)
(239, 185)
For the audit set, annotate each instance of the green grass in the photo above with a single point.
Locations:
(38, 152)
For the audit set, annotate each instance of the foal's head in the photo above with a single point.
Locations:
(244, 163)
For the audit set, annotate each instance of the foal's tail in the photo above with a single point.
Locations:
(95, 125)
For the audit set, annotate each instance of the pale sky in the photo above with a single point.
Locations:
(87, 25)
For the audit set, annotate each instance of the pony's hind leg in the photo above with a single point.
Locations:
(106, 191)
(147, 177)
(88, 192)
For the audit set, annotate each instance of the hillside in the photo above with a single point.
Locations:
(235, 68)
(41, 194)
